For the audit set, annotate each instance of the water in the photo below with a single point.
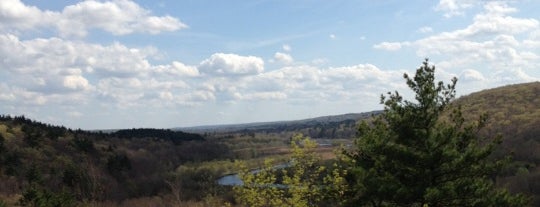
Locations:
(230, 180)
(234, 179)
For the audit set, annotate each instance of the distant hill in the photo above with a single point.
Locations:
(177, 137)
(336, 126)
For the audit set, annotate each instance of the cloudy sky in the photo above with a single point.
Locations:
(122, 64)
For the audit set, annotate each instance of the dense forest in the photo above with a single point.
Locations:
(514, 114)
(46, 165)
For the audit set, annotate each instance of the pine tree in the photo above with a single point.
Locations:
(424, 153)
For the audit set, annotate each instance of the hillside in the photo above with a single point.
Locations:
(514, 113)
(56, 166)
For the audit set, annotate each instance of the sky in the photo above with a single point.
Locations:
(129, 64)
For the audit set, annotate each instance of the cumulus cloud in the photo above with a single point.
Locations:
(119, 17)
(502, 44)
(302, 83)
(471, 75)
(283, 58)
(76, 82)
(231, 64)
(15, 15)
(305, 82)
(53, 70)
(454, 7)
(177, 68)
(390, 46)
(41, 56)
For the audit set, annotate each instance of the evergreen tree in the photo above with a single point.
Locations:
(423, 153)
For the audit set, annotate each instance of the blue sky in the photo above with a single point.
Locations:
(123, 64)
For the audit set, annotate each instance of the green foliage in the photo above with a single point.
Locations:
(176, 137)
(118, 165)
(2, 147)
(11, 163)
(514, 114)
(259, 188)
(39, 197)
(193, 181)
(409, 156)
(94, 166)
(300, 183)
(33, 175)
(84, 144)
(2, 151)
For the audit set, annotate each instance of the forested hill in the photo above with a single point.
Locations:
(512, 110)
(514, 113)
(175, 136)
(57, 166)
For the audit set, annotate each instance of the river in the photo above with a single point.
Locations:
(234, 179)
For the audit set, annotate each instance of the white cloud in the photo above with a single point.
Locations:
(178, 69)
(274, 95)
(283, 58)
(332, 36)
(47, 56)
(390, 46)
(471, 75)
(6, 93)
(286, 48)
(231, 64)
(119, 17)
(495, 43)
(15, 15)
(306, 83)
(53, 70)
(302, 83)
(76, 82)
(75, 114)
(454, 7)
